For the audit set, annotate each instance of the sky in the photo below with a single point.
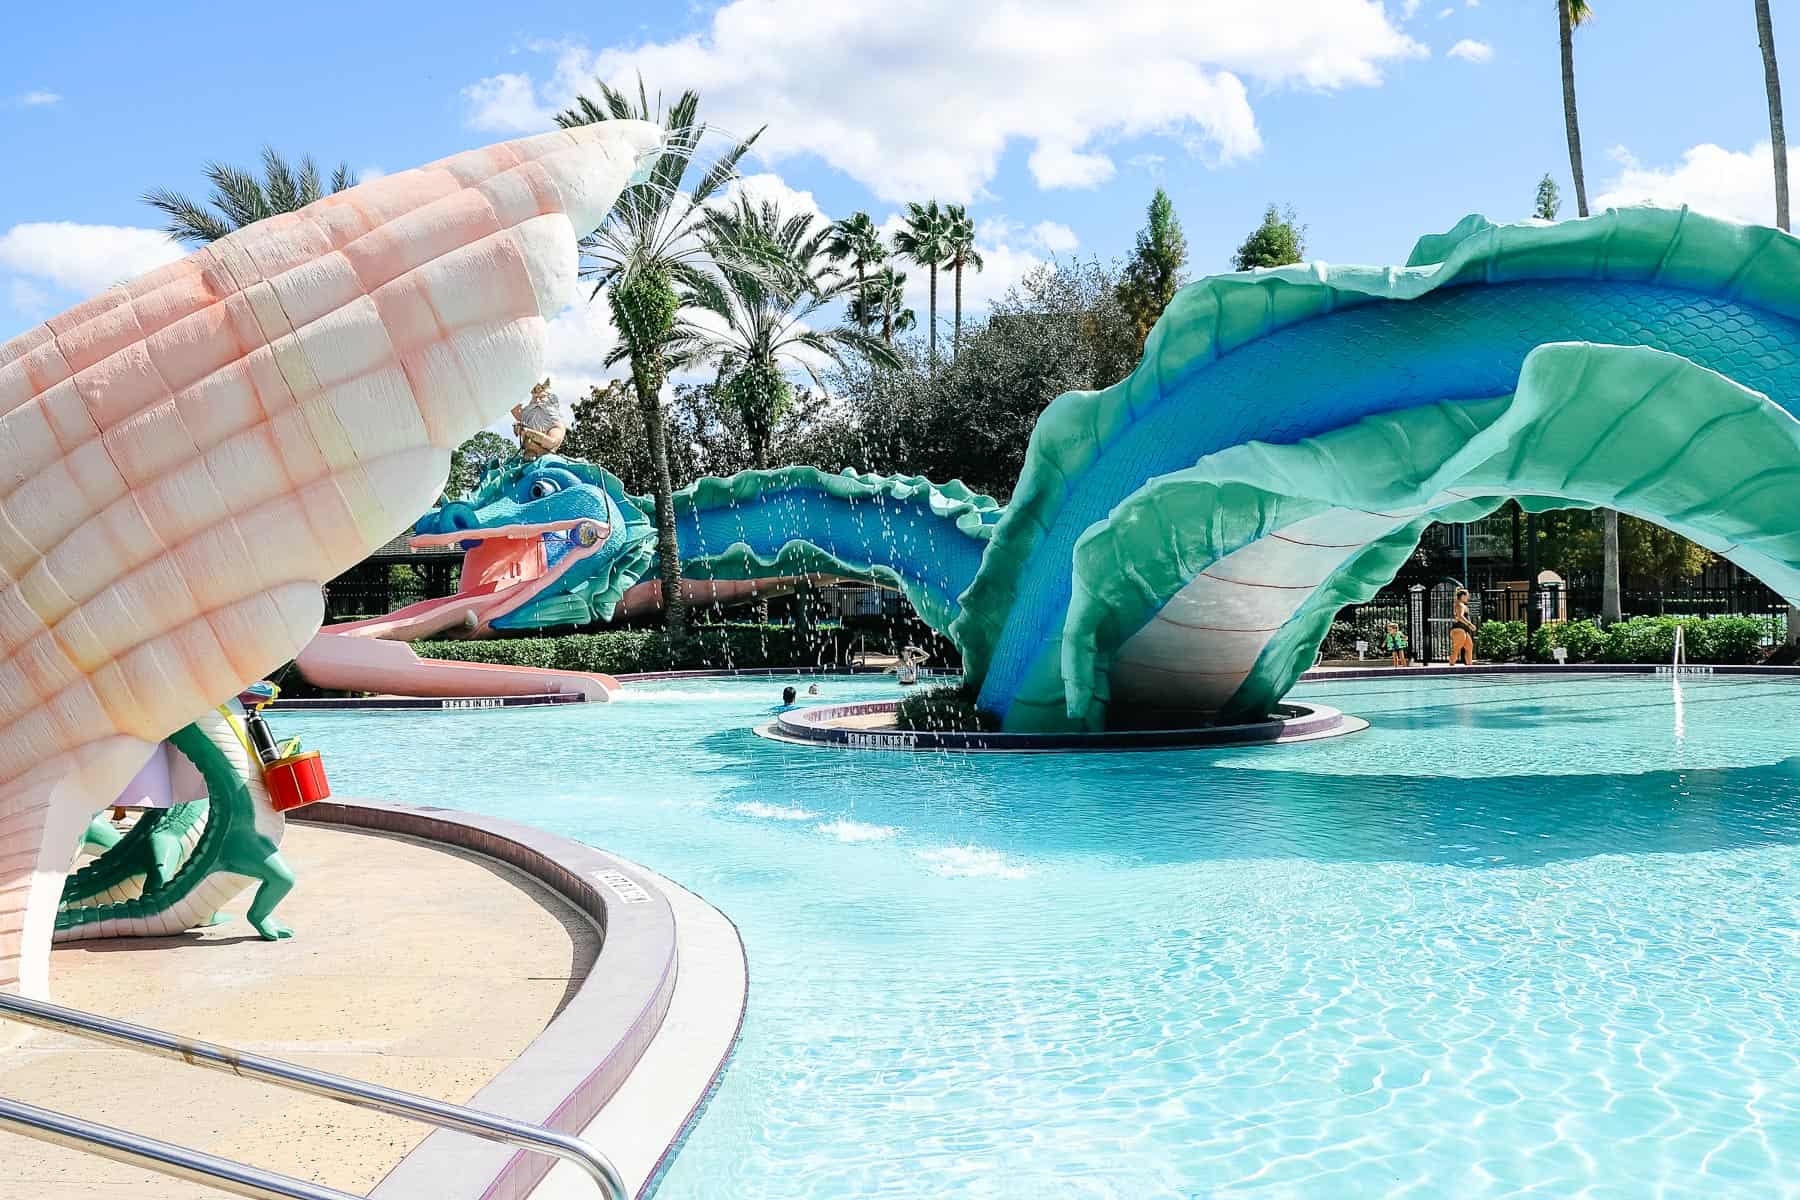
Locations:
(1053, 120)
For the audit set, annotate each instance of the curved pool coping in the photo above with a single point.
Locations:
(815, 727)
(568, 1075)
(1444, 670)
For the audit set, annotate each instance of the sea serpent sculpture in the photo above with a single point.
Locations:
(186, 457)
(1177, 544)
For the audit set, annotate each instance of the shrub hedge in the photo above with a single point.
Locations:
(1723, 639)
(621, 651)
(1500, 641)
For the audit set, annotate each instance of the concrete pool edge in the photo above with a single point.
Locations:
(570, 1074)
(818, 726)
(1445, 671)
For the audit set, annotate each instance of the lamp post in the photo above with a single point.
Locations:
(1533, 618)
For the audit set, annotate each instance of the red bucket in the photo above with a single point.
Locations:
(296, 781)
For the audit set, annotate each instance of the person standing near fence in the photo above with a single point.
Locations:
(1462, 632)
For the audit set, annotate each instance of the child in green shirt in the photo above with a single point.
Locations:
(1395, 644)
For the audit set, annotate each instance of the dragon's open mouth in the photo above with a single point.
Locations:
(507, 566)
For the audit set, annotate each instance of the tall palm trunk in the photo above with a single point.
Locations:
(934, 314)
(646, 378)
(862, 296)
(887, 322)
(1571, 123)
(956, 334)
(1609, 567)
(1765, 37)
(1609, 564)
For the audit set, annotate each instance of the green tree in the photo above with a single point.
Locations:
(883, 301)
(1549, 200)
(856, 238)
(1765, 38)
(924, 239)
(1570, 15)
(1277, 242)
(769, 277)
(468, 461)
(239, 198)
(608, 429)
(647, 245)
(1154, 272)
(959, 252)
(1059, 329)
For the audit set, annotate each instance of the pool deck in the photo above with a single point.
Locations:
(457, 956)
(413, 966)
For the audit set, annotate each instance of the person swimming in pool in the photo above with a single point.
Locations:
(788, 696)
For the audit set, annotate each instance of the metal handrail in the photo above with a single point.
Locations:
(240, 1179)
(518, 1134)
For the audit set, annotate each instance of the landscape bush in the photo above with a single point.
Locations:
(624, 651)
(1500, 641)
(1722, 639)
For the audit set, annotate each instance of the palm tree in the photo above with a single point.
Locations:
(924, 240)
(647, 245)
(769, 276)
(1569, 15)
(959, 252)
(239, 198)
(1765, 36)
(856, 238)
(883, 299)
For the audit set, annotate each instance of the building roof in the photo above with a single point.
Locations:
(400, 546)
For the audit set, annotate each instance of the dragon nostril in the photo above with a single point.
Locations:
(456, 516)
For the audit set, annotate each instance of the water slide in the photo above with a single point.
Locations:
(1177, 543)
(190, 454)
(558, 542)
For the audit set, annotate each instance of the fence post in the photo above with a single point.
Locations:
(1415, 619)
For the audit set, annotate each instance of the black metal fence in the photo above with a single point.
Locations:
(354, 599)
(1423, 613)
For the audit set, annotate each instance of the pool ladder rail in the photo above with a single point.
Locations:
(242, 1179)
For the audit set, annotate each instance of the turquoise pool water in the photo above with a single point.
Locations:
(1513, 939)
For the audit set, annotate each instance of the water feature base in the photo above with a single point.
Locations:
(870, 726)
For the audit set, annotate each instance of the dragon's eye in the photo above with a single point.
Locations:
(542, 488)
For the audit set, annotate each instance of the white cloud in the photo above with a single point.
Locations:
(84, 259)
(1472, 3)
(767, 185)
(1055, 237)
(1409, 9)
(1470, 50)
(844, 82)
(1726, 183)
(506, 104)
(1444, 12)
(39, 99)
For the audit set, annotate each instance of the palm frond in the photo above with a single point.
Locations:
(189, 221)
(724, 169)
(238, 195)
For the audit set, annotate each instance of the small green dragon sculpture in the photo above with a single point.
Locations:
(177, 867)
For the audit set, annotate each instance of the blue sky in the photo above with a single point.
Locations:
(1054, 120)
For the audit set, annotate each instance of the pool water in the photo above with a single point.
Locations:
(1516, 938)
